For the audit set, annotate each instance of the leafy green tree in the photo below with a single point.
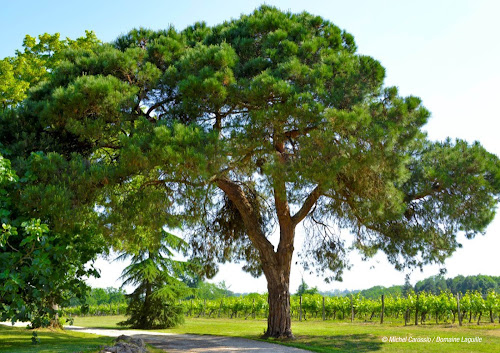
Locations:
(212, 291)
(115, 295)
(42, 268)
(433, 284)
(98, 296)
(458, 284)
(32, 65)
(377, 291)
(260, 123)
(155, 301)
(39, 269)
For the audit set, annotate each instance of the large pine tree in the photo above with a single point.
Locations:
(234, 131)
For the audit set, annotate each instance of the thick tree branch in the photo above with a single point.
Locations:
(281, 203)
(109, 145)
(292, 134)
(308, 204)
(158, 104)
(287, 228)
(251, 220)
(436, 188)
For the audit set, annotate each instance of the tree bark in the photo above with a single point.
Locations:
(279, 323)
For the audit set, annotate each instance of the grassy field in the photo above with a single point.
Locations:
(328, 336)
(18, 340)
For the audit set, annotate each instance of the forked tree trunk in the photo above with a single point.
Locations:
(276, 264)
(279, 321)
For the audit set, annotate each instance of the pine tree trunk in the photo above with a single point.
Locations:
(276, 264)
(279, 323)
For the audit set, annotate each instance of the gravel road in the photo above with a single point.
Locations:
(180, 343)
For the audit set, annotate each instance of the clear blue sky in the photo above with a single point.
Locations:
(446, 52)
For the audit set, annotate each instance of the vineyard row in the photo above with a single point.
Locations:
(412, 308)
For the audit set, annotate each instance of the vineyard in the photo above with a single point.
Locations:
(96, 310)
(418, 309)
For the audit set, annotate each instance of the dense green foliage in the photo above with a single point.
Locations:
(459, 284)
(205, 290)
(32, 65)
(225, 131)
(435, 285)
(377, 291)
(39, 269)
(96, 310)
(109, 295)
(152, 106)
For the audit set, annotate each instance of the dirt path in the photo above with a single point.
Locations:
(181, 343)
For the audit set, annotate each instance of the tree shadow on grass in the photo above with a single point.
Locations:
(337, 343)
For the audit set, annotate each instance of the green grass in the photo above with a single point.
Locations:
(18, 340)
(328, 336)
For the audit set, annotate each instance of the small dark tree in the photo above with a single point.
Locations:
(154, 302)
(407, 287)
(305, 289)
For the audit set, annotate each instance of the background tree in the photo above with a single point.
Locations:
(98, 296)
(407, 288)
(377, 291)
(304, 289)
(155, 301)
(212, 291)
(244, 129)
(434, 285)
